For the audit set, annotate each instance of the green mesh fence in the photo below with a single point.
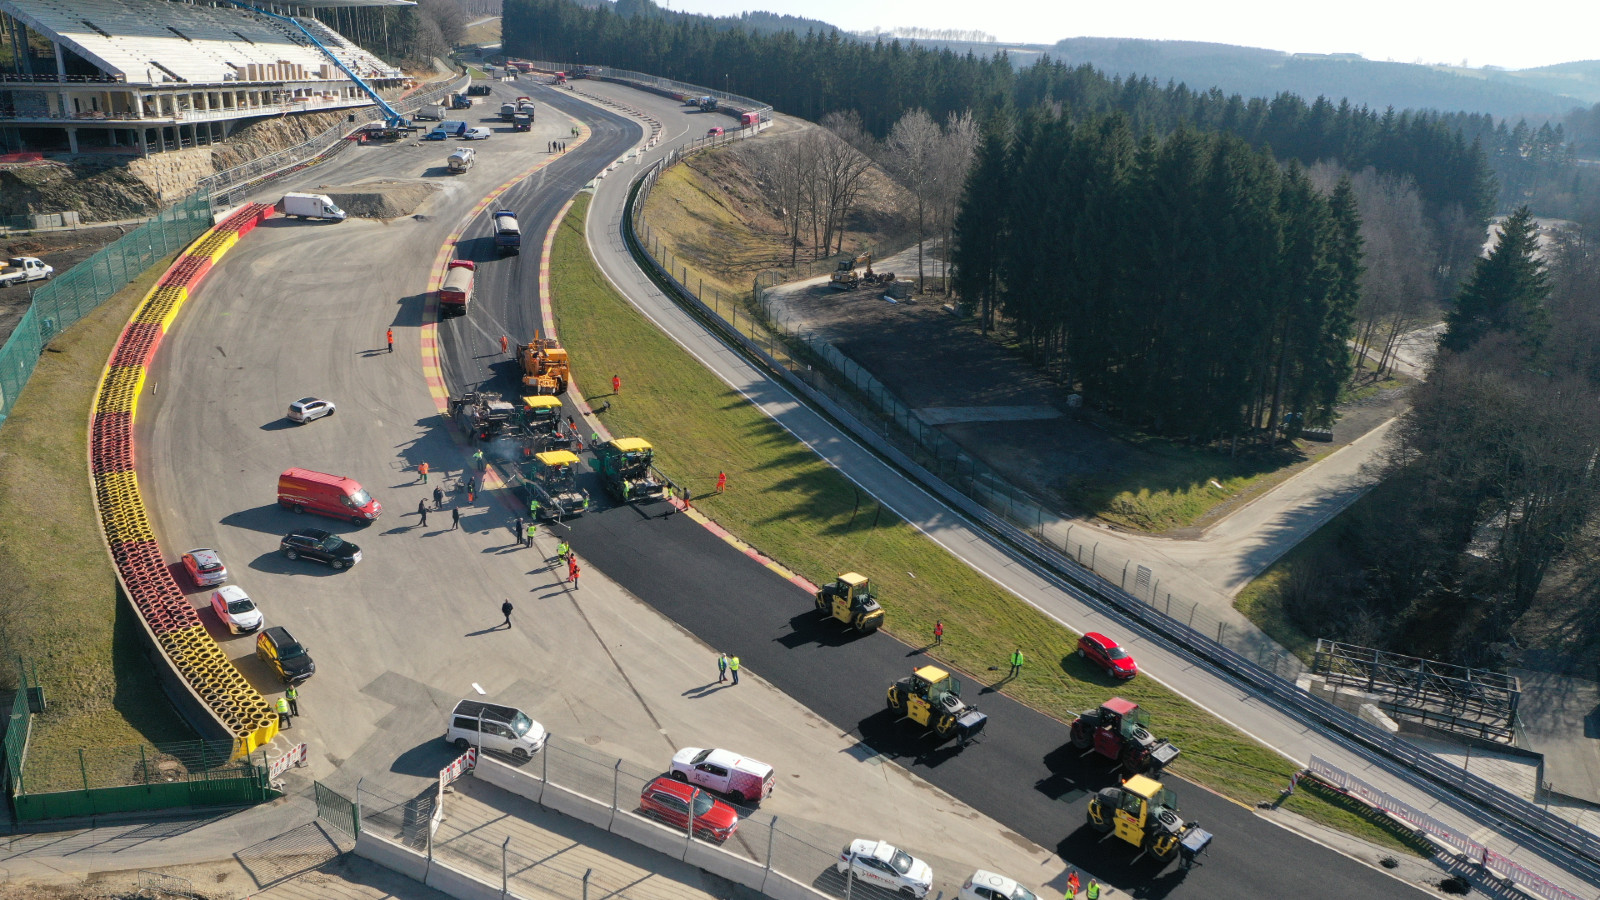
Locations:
(70, 296)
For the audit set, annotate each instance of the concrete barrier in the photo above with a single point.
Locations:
(571, 803)
(781, 887)
(516, 781)
(649, 833)
(391, 856)
(458, 884)
(727, 864)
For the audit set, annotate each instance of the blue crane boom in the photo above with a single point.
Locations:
(391, 117)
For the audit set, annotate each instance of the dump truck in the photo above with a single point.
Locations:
(551, 480)
(525, 104)
(23, 269)
(1118, 730)
(484, 416)
(507, 233)
(1143, 813)
(461, 160)
(455, 295)
(522, 121)
(929, 697)
(541, 426)
(507, 110)
(544, 366)
(849, 599)
(625, 467)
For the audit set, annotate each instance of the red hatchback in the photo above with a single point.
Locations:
(669, 801)
(1107, 654)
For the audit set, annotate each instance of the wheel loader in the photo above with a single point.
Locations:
(849, 599)
(1145, 814)
(1117, 730)
(544, 366)
(929, 697)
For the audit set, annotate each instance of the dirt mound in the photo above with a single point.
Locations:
(96, 193)
(380, 199)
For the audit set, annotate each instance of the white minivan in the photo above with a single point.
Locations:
(487, 726)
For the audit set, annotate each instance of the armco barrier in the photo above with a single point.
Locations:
(205, 686)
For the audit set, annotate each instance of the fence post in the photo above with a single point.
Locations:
(586, 874)
(505, 876)
(83, 769)
(616, 775)
(544, 767)
(144, 764)
(1124, 576)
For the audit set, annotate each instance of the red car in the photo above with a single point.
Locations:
(1107, 654)
(669, 801)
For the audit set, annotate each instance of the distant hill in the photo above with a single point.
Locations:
(1535, 94)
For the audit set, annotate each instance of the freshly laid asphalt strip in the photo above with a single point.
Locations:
(1022, 772)
(506, 294)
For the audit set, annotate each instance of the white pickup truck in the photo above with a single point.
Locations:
(21, 269)
(741, 779)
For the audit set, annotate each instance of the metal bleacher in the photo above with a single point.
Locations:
(160, 42)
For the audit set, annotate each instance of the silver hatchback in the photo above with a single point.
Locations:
(307, 409)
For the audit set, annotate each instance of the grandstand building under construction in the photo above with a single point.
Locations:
(143, 76)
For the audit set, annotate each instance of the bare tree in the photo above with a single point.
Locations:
(841, 166)
(788, 164)
(957, 147)
(910, 154)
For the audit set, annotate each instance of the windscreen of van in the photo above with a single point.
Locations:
(521, 724)
(358, 499)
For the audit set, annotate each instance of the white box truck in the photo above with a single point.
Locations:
(310, 206)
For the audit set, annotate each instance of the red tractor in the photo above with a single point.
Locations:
(1117, 731)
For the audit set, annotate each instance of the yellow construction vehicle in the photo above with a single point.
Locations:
(1145, 814)
(850, 600)
(845, 277)
(544, 366)
(931, 698)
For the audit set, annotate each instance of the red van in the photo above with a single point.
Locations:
(303, 490)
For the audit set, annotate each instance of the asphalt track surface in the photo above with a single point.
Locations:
(1023, 772)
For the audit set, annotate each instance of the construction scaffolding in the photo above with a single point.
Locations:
(1477, 702)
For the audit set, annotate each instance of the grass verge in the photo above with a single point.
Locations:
(787, 502)
(59, 605)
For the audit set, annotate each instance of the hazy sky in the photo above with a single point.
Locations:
(1483, 32)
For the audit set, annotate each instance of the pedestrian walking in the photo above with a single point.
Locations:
(455, 517)
(389, 334)
(733, 666)
(938, 633)
(293, 696)
(1072, 885)
(422, 469)
(422, 511)
(1093, 892)
(616, 384)
(722, 667)
(1016, 663)
(438, 497)
(505, 610)
(722, 481)
(285, 717)
(504, 344)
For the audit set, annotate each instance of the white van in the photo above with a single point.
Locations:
(487, 726)
(310, 206)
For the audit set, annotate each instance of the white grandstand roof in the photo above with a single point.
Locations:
(163, 42)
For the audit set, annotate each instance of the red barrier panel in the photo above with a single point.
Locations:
(137, 346)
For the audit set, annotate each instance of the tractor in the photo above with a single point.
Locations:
(1117, 730)
(1145, 814)
(849, 599)
(931, 698)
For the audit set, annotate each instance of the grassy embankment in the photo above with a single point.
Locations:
(59, 604)
(785, 501)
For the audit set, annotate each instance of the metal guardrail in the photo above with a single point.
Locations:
(1560, 841)
(657, 83)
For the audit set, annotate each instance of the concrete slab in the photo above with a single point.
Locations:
(1560, 717)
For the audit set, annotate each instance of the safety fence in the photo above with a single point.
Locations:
(71, 295)
(230, 184)
(19, 725)
(1469, 850)
(95, 781)
(198, 675)
(777, 856)
(1131, 592)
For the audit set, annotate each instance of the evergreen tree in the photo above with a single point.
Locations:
(1506, 293)
(980, 226)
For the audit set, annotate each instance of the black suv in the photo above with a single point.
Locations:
(285, 655)
(322, 546)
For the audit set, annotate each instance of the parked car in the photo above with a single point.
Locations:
(885, 865)
(670, 802)
(205, 566)
(438, 134)
(235, 608)
(741, 779)
(308, 409)
(504, 729)
(320, 546)
(1108, 655)
(714, 132)
(989, 886)
(477, 134)
(284, 655)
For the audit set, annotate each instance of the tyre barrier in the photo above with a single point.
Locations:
(216, 688)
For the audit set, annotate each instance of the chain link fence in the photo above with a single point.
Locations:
(88, 768)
